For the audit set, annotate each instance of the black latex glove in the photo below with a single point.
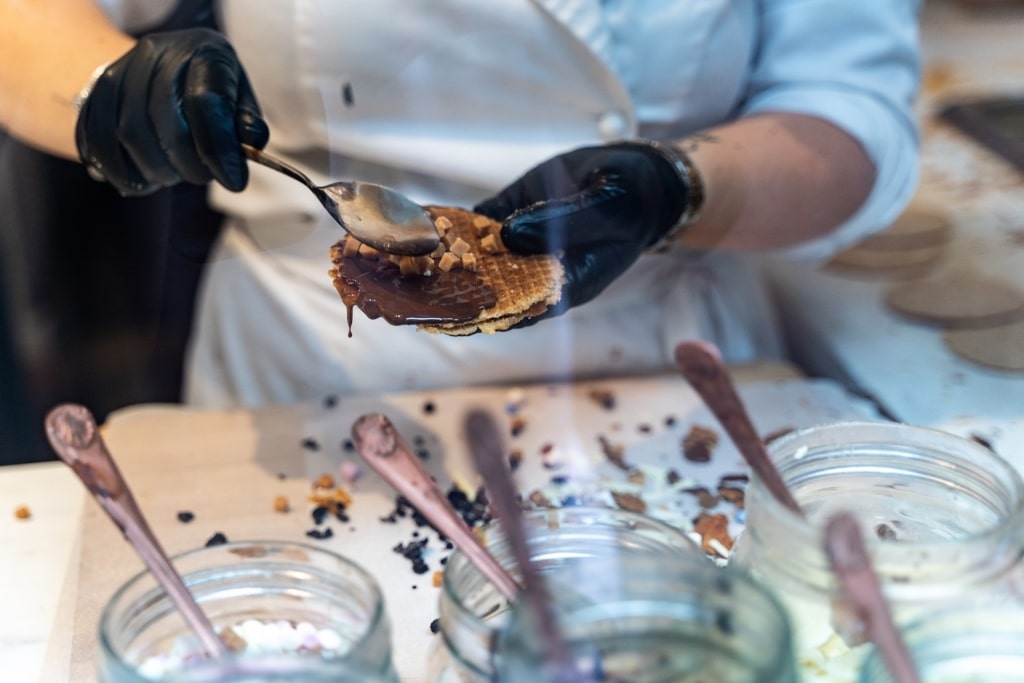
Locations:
(175, 107)
(598, 208)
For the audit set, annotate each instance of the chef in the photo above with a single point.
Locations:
(657, 147)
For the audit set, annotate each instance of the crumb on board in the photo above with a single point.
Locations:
(281, 504)
(324, 481)
(699, 443)
(22, 512)
(714, 533)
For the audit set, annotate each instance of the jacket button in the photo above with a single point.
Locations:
(612, 125)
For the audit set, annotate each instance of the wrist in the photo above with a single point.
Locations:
(693, 187)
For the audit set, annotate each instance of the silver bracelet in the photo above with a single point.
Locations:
(691, 180)
(78, 101)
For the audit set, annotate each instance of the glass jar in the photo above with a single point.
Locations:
(653, 619)
(564, 543)
(940, 515)
(976, 643)
(294, 607)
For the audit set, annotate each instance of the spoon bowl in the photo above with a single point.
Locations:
(376, 215)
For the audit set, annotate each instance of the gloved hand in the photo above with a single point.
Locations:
(175, 107)
(598, 208)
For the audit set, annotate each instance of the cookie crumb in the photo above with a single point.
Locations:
(22, 512)
(217, 539)
(185, 516)
(281, 504)
(629, 502)
(699, 443)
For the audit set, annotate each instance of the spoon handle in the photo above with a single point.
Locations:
(701, 365)
(264, 159)
(74, 436)
(384, 449)
(489, 456)
(852, 566)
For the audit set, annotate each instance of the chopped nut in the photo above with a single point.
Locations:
(408, 266)
(469, 262)
(637, 477)
(698, 444)
(281, 504)
(460, 247)
(366, 251)
(603, 397)
(540, 500)
(490, 244)
(437, 579)
(22, 512)
(324, 481)
(448, 261)
(351, 247)
(443, 224)
(713, 528)
(629, 501)
(232, 640)
(482, 225)
(733, 495)
(614, 452)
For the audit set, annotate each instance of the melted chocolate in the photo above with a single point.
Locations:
(381, 291)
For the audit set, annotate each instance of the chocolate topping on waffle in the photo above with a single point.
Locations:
(470, 284)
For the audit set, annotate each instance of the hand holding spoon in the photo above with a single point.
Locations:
(701, 365)
(845, 549)
(384, 449)
(73, 434)
(373, 214)
(485, 445)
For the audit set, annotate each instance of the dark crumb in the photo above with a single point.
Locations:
(546, 448)
(310, 444)
(738, 478)
(670, 421)
(217, 539)
(435, 626)
(551, 465)
(429, 408)
(281, 476)
(778, 433)
(423, 454)
(644, 428)
(320, 534)
(330, 401)
(977, 438)
(733, 495)
(418, 440)
(559, 480)
(348, 446)
(414, 586)
(517, 425)
(443, 561)
(515, 459)
(705, 498)
(185, 516)
(319, 514)
(699, 443)
(613, 452)
(885, 532)
(603, 398)
(672, 477)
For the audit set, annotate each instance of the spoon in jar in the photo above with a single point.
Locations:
(872, 618)
(376, 215)
(488, 453)
(384, 450)
(74, 436)
(702, 366)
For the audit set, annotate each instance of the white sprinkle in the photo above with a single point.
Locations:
(800, 453)
(329, 639)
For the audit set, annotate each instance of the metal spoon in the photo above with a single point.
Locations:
(701, 365)
(845, 549)
(488, 453)
(384, 449)
(74, 436)
(373, 214)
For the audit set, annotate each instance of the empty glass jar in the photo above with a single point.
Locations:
(941, 516)
(654, 619)
(289, 612)
(567, 544)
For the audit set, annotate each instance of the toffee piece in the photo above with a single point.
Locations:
(471, 283)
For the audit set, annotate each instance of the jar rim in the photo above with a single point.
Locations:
(243, 550)
(786, 453)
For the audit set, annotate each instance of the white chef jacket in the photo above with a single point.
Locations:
(450, 100)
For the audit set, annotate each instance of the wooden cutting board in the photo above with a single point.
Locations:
(227, 467)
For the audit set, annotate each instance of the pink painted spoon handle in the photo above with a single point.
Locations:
(74, 436)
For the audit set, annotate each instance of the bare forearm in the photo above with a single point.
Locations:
(774, 180)
(48, 50)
